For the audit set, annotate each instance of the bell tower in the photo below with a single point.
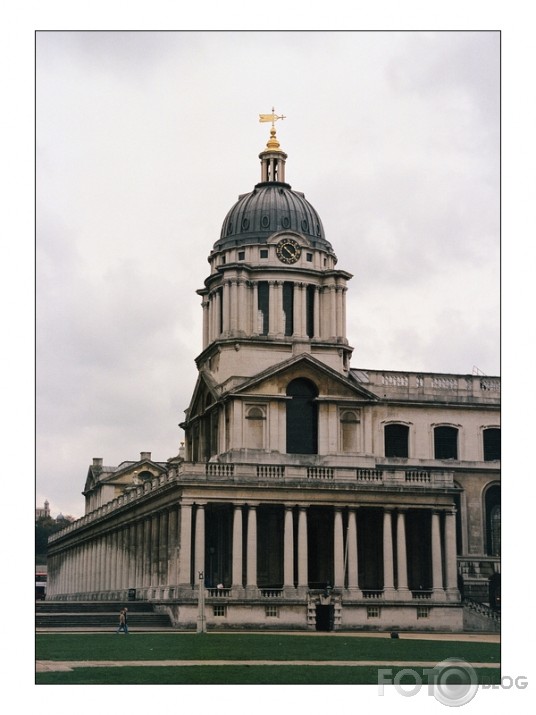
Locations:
(274, 290)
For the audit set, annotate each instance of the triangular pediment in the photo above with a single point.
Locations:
(330, 383)
(205, 393)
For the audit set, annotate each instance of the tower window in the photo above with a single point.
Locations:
(288, 307)
(446, 443)
(310, 310)
(241, 255)
(263, 307)
(396, 440)
(492, 444)
(309, 257)
(263, 253)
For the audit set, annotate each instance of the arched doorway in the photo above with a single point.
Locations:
(302, 417)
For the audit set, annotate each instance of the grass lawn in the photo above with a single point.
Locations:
(237, 646)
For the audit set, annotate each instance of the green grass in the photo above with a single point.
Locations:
(233, 675)
(239, 646)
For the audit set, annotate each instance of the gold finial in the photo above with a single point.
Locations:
(273, 117)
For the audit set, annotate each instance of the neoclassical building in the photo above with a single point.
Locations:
(308, 494)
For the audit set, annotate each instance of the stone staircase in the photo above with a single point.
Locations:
(479, 617)
(98, 615)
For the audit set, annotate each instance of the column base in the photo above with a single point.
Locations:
(438, 594)
(389, 594)
(452, 595)
(403, 594)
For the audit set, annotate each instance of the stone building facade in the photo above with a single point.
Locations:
(308, 494)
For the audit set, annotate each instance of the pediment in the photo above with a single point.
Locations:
(205, 393)
(330, 383)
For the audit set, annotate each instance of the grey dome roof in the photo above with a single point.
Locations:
(272, 206)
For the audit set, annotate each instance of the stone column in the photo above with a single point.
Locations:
(402, 561)
(339, 308)
(251, 565)
(147, 553)
(332, 311)
(237, 584)
(185, 546)
(316, 313)
(344, 291)
(155, 519)
(288, 553)
(450, 556)
(242, 313)
(272, 309)
(233, 320)
(205, 305)
(303, 576)
(351, 551)
(199, 558)
(172, 560)
(437, 565)
(388, 572)
(163, 543)
(226, 305)
(216, 307)
(338, 550)
(139, 554)
(278, 307)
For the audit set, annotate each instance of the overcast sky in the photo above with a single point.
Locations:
(144, 142)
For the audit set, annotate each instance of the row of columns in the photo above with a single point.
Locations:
(146, 553)
(232, 310)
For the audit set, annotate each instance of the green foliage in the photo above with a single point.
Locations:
(44, 527)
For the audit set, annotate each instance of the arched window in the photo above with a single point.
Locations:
(446, 443)
(302, 417)
(396, 440)
(349, 435)
(255, 428)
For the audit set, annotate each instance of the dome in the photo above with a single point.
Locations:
(269, 208)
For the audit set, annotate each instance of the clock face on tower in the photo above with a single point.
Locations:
(288, 250)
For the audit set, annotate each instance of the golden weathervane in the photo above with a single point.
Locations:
(273, 117)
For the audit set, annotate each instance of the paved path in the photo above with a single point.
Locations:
(47, 666)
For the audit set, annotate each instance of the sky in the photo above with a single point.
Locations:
(144, 140)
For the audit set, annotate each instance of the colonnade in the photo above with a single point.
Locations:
(161, 555)
(232, 310)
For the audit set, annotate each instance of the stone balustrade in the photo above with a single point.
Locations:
(188, 471)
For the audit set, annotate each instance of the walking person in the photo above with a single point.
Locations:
(123, 621)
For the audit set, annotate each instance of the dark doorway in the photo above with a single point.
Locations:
(302, 417)
(325, 617)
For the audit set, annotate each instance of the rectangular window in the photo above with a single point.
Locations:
(263, 305)
(492, 444)
(241, 255)
(220, 610)
(310, 311)
(446, 443)
(288, 307)
(309, 257)
(396, 440)
(373, 611)
(263, 253)
(271, 611)
(423, 611)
